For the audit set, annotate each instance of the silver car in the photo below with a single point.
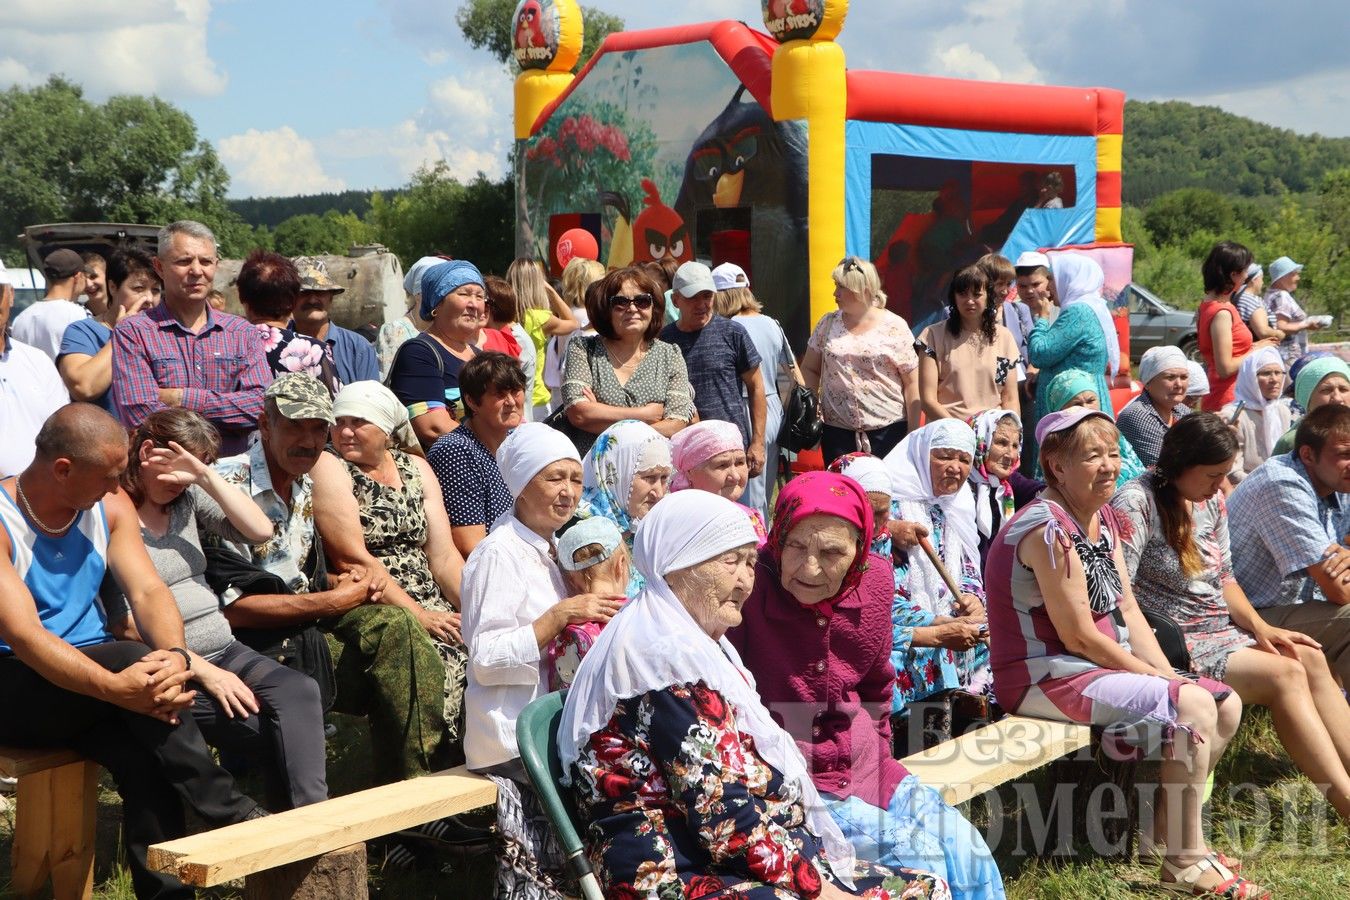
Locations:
(1155, 324)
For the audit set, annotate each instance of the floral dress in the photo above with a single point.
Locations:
(921, 672)
(1074, 341)
(288, 351)
(678, 804)
(1195, 603)
(394, 521)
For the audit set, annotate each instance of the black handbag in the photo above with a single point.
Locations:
(801, 427)
(558, 421)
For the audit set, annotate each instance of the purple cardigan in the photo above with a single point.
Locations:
(828, 680)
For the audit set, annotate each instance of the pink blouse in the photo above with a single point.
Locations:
(860, 387)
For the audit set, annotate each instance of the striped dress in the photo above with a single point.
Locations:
(1034, 672)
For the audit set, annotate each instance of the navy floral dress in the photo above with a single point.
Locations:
(678, 804)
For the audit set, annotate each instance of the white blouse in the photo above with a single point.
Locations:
(509, 581)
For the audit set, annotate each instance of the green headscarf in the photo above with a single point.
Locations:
(1069, 384)
(1313, 373)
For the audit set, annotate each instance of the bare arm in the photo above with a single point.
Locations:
(447, 564)
(1066, 602)
(467, 537)
(595, 417)
(432, 424)
(754, 388)
(284, 610)
(87, 377)
(811, 366)
(1009, 399)
(1332, 575)
(239, 508)
(1221, 336)
(909, 385)
(562, 321)
(928, 389)
(1261, 328)
(1290, 326)
(152, 603)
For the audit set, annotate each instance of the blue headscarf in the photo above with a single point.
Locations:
(438, 281)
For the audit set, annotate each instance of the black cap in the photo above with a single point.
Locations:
(62, 264)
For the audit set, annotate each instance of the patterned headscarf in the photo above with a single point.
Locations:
(1069, 384)
(830, 494)
(985, 424)
(693, 446)
(620, 452)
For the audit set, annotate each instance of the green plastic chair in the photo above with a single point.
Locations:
(537, 739)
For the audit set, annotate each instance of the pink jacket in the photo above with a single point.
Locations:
(828, 680)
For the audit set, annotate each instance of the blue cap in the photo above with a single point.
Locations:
(595, 530)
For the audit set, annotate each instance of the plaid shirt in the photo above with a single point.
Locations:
(222, 370)
(1144, 428)
(1279, 527)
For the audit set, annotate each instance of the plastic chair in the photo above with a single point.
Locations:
(537, 739)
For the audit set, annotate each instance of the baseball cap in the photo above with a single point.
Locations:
(1065, 419)
(595, 530)
(692, 278)
(300, 396)
(314, 275)
(1030, 259)
(62, 264)
(728, 276)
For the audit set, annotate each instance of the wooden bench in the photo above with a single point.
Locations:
(982, 759)
(278, 852)
(53, 822)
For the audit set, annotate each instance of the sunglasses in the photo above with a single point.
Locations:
(641, 301)
(850, 264)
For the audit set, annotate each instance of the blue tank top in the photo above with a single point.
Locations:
(62, 573)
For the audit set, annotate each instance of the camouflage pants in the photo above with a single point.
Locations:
(388, 670)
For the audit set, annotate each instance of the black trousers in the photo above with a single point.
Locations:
(159, 768)
(837, 442)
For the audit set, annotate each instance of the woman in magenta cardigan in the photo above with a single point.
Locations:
(816, 634)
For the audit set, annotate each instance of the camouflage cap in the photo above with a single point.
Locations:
(314, 275)
(300, 396)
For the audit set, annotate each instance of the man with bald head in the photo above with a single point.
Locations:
(64, 680)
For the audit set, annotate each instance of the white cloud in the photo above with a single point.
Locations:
(134, 46)
(964, 61)
(408, 145)
(272, 163)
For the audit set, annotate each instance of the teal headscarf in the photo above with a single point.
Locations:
(1313, 373)
(1069, 384)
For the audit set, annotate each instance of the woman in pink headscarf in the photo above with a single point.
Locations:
(710, 456)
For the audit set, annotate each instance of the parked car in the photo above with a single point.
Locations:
(1155, 324)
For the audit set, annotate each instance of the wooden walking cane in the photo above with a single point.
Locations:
(941, 569)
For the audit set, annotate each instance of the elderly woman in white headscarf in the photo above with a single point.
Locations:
(1264, 416)
(393, 334)
(687, 784)
(999, 488)
(1166, 376)
(625, 473)
(940, 640)
(515, 603)
(1083, 336)
(378, 507)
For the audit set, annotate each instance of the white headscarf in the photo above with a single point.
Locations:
(1078, 279)
(654, 643)
(1198, 386)
(528, 450)
(986, 423)
(620, 452)
(912, 486)
(412, 282)
(1249, 391)
(375, 403)
(870, 472)
(1157, 360)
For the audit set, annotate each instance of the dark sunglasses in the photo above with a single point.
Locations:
(641, 301)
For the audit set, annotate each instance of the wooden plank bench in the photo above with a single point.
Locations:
(982, 759)
(301, 835)
(53, 821)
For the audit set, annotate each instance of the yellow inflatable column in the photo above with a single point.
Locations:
(546, 37)
(809, 83)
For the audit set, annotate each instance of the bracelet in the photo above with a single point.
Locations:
(183, 653)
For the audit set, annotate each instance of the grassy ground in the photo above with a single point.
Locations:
(1262, 811)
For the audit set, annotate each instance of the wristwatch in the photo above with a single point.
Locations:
(187, 659)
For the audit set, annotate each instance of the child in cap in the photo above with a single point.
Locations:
(594, 560)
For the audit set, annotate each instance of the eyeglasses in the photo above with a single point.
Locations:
(641, 301)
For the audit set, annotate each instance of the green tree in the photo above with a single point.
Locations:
(437, 214)
(1173, 217)
(132, 159)
(486, 24)
(333, 233)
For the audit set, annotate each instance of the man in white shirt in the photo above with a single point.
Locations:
(43, 324)
(30, 390)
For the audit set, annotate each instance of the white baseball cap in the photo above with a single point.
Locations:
(1030, 259)
(728, 276)
(691, 279)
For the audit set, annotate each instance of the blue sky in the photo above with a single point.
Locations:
(309, 96)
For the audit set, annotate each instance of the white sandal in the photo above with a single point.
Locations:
(1233, 887)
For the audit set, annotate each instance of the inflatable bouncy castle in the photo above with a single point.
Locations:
(720, 142)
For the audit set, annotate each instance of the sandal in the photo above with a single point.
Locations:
(1233, 887)
(1158, 852)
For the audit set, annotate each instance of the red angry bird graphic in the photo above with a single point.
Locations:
(658, 231)
(781, 9)
(530, 25)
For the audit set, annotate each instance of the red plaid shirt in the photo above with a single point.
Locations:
(222, 370)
